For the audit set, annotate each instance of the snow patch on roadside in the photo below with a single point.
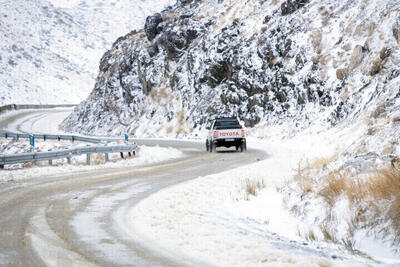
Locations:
(213, 220)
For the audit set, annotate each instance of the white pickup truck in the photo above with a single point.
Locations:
(226, 132)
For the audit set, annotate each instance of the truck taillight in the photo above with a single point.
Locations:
(215, 134)
(243, 133)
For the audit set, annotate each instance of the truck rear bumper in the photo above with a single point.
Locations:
(229, 142)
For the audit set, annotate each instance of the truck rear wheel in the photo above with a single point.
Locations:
(212, 147)
(242, 147)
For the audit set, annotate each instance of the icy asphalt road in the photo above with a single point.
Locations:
(80, 218)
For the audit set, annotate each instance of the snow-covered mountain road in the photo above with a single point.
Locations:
(80, 218)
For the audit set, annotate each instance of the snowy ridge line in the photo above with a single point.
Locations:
(29, 106)
(65, 153)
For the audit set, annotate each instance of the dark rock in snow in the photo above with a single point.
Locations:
(174, 43)
(151, 26)
(290, 6)
(267, 19)
(104, 62)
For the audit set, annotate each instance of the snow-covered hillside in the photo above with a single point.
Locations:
(270, 62)
(50, 49)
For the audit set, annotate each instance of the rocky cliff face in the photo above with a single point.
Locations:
(297, 62)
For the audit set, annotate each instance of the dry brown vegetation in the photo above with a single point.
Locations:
(253, 186)
(97, 159)
(374, 198)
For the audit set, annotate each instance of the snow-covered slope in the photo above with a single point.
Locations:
(50, 49)
(270, 62)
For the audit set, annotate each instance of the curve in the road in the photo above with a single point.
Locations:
(77, 219)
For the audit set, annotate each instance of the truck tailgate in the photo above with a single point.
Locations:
(228, 134)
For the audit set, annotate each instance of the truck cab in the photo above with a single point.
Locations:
(226, 132)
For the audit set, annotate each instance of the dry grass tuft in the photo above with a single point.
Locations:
(311, 236)
(253, 186)
(374, 199)
(97, 159)
(384, 187)
(170, 129)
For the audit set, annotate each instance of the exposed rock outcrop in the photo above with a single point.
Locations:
(200, 60)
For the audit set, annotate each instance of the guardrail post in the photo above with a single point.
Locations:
(69, 160)
(6, 135)
(17, 137)
(59, 138)
(88, 159)
(73, 139)
(122, 154)
(44, 137)
(106, 157)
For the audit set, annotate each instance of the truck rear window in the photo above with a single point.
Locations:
(227, 124)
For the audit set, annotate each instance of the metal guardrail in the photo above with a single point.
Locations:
(66, 153)
(18, 107)
(53, 137)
